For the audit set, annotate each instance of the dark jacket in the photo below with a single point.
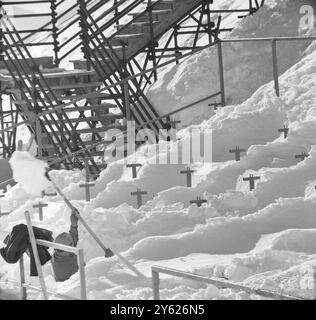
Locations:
(65, 264)
(18, 241)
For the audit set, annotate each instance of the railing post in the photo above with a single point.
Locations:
(156, 281)
(221, 72)
(127, 101)
(152, 43)
(23, 292)
(176, 44)
(275, 67)
(83, 285)
(53, 8)
(84, 32)
(36, 256)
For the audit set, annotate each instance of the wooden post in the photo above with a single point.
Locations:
(198, 202)
(23, 292)
(275, 67)
(36, 256)
(139, 195)
(237, 152)
(189, 173)
(221, 72)
(302, 156)
(40, 207)
(50, 194)
(134, 167)
(156, 282)
(87, 169)
(285, 131)
(83, 286)
(251, 180)
(87, 186)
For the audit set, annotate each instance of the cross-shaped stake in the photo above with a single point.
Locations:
(302, 156)
(139, 195)
(189, 174)
(198, 201)
(134, 167)
(251, 180)
(40, 207)
(216, 105)
(87, 186)
(237, 152)
(285, 130)
(44, 194)
(172, 123)
(87, 170)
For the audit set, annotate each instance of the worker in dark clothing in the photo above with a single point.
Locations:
(18, 242)
(65, 264)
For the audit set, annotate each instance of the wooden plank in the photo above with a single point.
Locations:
(36, 256)
(83, 285)
(23, 292)
(57, 246)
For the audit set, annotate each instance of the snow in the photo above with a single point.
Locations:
(29, 172)
(263, 238)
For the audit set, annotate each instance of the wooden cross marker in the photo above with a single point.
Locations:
(134, 167)
(198, 202)
(237, 152)
(285, 131)
(216, 105)
(87, 186)
(40, 207)
(189, 174)
(302, 156)
(251, 180)
(139, 195)
(171, 123)
(44, 194)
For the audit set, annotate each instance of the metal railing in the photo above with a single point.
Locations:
(36, 242)
(221, 284)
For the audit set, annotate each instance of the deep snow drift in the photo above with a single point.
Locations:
(263, 238)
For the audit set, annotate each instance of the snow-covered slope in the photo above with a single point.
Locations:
(247, 66)
(264, 238)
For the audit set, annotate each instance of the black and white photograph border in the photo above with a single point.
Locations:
(157, 150)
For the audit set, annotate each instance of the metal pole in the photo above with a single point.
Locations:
(36, 256)
(55, 31)
(23, 292)
(155, 279)
(83, 286)
(221, 72)
(275, 67)
(127, 101)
